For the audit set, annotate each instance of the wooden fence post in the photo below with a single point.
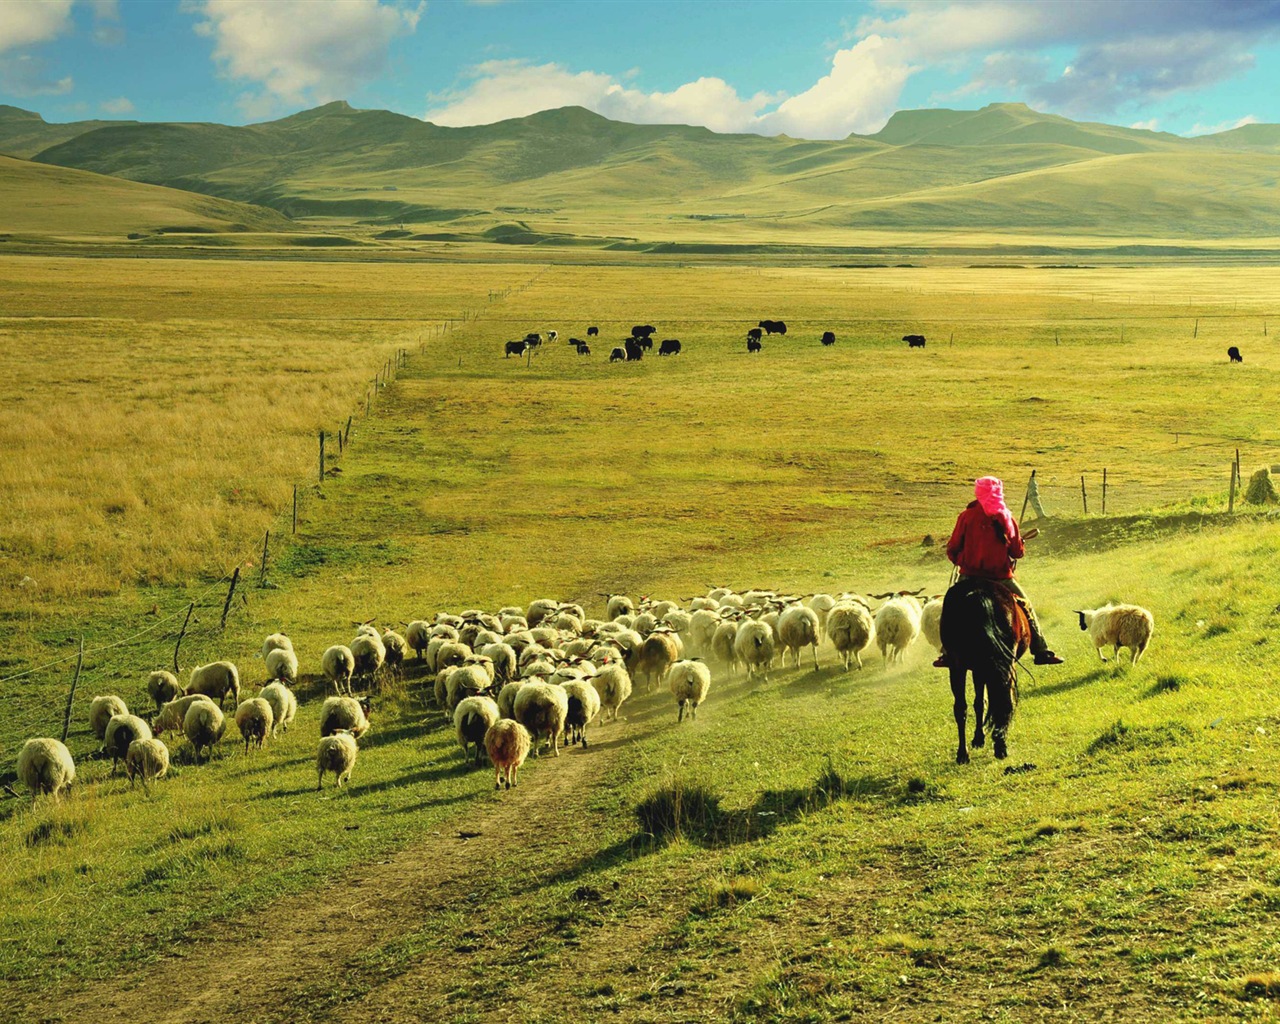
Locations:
(262, 568)
(347, 432)
(226, 606)
(322, 456)
(295, 508)
(1084, 497)
(1231, 494)
(1027, 498)
(1104, 490)
(66, 715)
(1195, 331)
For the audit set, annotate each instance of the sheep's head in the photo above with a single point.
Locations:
(1086, 617)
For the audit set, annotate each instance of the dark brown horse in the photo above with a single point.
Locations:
(984, 631)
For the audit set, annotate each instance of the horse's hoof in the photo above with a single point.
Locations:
(978, 740)
(1001, 752)
(962, 758)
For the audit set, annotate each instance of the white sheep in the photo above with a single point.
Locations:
(618, 604)
(102, 710)
(753, 647)
(163, 687)
(613, 683)
(369, 652)
(471, 721)
(931, 622)
(463, 682)
(689, 681)
(218, 680)
(276, 642)
(542, 708)
(798, 628)
(1120, 625)
(174, 713)
(722, 645)
(506, 699)
(337, 754)
(507, 743)
(282, 665)
(701, 631)
(851, 628)
(584, 705)
(451, 654)
(338, 665)
(284, 705)
(120, 732)
(417, 634)
(540, 609)
(346, 714)
(45, 766)
(148, 760)
(897, 627)
(652, 659)
(203, 726)
(255, 720)
(822, 604)
(396, 647)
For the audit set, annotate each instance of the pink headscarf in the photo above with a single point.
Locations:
(990, 494)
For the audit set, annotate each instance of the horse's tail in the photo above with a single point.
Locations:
(1002, 684)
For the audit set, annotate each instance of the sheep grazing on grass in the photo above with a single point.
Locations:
(163, 687)
(204, 726)
(174, 713)
(282, 665)
(897, 626)
(539, 610)
(102, 710)
(276, 642)
(542, 708)
(451, 654)
(689, 681)
(657, 654)
(472, 719)
(753, 646)
(506, 699)
(851, 628)
(618, 604)
(346, 714)
(417, 635)
(931, 622)
(798, 628)
(147, 760)
(507, 743)
(255, 720)
(45, 766)
(217, 681)
(1118, 625)
(465, 681)
(613, 683)
(120, 732)
(397, 647)
(822, 604)
(503, 659)
(369, 653)
(722, 645)
(337, 754)
(284, 705)
(584, 705)
(338, 665)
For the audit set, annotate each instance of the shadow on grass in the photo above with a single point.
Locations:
(1066, 685)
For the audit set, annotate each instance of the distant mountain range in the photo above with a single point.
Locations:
(571, 177)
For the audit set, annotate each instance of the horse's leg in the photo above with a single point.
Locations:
(979, 690)
(958, 708)
(1001, 717)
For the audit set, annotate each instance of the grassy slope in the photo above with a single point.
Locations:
(481, 481)
(1003, 169)
(38, 199)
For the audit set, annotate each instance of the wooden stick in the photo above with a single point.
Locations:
(1104, 490)
(226, 607)
(66, 715)
(181, 633)
(295, 508)
(262, 568)
(1084, 497)
(1026, 499)
(1231, 496)
(322, 456)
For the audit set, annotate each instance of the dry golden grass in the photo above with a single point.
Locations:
(157, 414)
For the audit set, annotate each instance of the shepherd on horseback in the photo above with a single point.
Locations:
(985, 545)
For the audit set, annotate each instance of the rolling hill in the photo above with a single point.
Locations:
(1005, 174)
(38, 199)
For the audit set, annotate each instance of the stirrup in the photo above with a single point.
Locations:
(1046, 658)
(941, 661)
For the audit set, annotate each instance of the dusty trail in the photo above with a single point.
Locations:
(271, 966)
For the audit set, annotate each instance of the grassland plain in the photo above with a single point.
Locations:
(1113, 878)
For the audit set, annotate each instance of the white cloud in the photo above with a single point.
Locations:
(25, 75)
(1224, 126)
(28, 22)
(119, 105)
(1147, 126)
(297, 51)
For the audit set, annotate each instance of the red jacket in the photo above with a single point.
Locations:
(978, 550)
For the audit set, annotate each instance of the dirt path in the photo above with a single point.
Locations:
(271, 966)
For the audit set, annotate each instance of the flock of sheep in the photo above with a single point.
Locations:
(521, 679)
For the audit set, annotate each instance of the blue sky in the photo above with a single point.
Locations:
(809, 68)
